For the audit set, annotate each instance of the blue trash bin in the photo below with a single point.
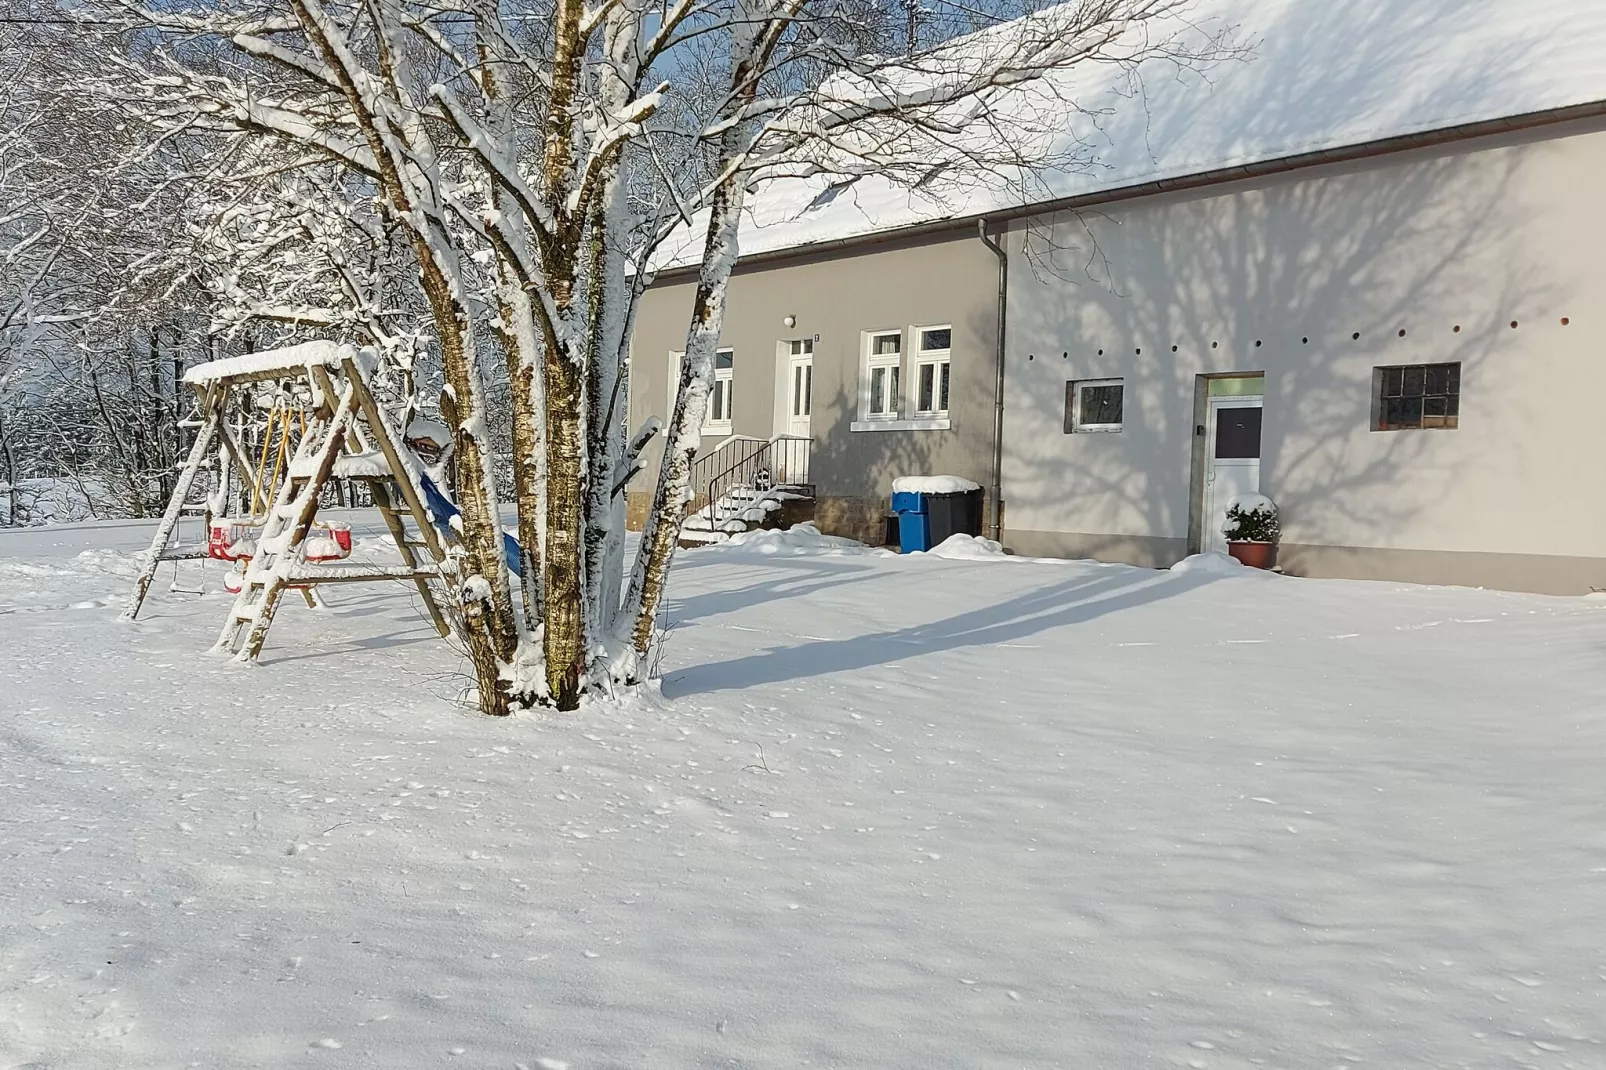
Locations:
(914, 523)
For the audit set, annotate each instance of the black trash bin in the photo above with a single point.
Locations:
(953, 514)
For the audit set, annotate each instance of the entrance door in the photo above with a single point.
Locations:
(1232, 461)
(800, 393)
(799, 405)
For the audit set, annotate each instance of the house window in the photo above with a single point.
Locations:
(719, 397)
(931, 371)
(885, 368)
(717, 416)
(1416, 396)
(1093, 405)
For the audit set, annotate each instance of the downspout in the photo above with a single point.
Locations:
(998, 387)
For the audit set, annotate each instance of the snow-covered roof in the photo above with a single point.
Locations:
(1319, 75)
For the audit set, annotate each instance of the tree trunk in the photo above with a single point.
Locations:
(608, 394)
(565, 643)
(527, 392)
(159, 458)
(489, 631)
(8, 456)
(662, 533)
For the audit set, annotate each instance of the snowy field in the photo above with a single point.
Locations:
(886, 812)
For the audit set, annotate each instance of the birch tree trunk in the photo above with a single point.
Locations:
(489, 632)
(564, 616)
(661, 535)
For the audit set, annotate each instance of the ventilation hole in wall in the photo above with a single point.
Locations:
(1101, 352)
(1066, 355)
(1138, 351)
(1513, 324)
(1031, 356)
(1257, 343)
(1304, 341)
(1402, 332)
(1565, 320)
(1214, 344)
(1173, 349)
(1458, 328)
(1356, 337)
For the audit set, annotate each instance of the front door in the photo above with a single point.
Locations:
(1232, 461)
(800, 393)
(799, 404)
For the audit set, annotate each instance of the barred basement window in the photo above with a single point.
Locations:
(1416, 396)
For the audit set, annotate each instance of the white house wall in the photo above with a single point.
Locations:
(1449, 246)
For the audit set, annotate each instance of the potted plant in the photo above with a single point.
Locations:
(1252, 530)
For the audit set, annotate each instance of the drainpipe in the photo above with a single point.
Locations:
(998, 387)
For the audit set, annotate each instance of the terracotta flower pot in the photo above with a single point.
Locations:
(1254, 554)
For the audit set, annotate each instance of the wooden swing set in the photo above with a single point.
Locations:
(313, 417)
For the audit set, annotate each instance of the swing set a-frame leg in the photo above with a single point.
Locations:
(175, 507)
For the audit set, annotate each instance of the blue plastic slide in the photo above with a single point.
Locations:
(443, 509)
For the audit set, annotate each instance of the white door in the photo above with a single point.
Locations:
(1232, 462)
(800, 391)
(799, 405)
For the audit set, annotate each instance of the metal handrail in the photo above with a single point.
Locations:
(711, 485)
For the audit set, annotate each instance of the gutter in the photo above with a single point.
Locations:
(998, 387)
(1199, 180)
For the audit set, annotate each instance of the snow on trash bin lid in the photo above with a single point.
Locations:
(933, 485)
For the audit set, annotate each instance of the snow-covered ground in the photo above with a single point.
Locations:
(886, 812)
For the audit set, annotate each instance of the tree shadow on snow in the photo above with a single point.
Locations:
(412, 636)
(1074, 601)
(812, 575)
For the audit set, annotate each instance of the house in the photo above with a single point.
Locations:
(1362, 271)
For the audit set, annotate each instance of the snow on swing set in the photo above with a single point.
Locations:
(322, 422)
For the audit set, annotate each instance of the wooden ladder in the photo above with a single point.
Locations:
(273, 566)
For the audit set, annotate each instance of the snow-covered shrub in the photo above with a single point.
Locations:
(1252, 518)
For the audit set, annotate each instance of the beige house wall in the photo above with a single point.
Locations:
(947, 279)
(1311, 279)
(1278, 276)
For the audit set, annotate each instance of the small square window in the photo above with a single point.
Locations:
(1094, 405)
(1416, 397)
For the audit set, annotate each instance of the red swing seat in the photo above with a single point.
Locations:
(235, 540)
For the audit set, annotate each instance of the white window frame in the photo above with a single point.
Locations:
(1077, 424)
(940, 361)
(721, 375)
(903, 418)
(888, 363)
